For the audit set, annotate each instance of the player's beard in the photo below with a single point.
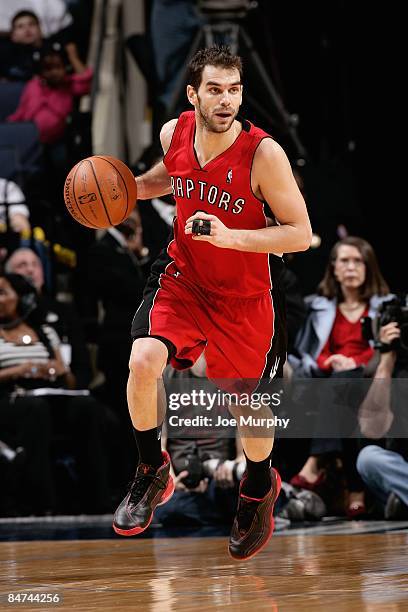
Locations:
(210, 124)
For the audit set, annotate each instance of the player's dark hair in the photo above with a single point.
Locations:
(374, 283)
(24, 13)
(219, 56)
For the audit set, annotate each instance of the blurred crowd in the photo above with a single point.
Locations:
(67, 298)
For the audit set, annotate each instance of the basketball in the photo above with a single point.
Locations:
(100, 191)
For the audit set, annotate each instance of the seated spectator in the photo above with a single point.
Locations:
(352, 287)
(331, 344)
(206, 476)
(19, 52)
(61, 316)
(30, 360)
(47, 99)
(14, 213)
(53, 16)
(383, 413)
(26, 29)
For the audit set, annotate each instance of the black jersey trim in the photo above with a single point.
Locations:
(246, 125)
(276, 355)
(199, 169)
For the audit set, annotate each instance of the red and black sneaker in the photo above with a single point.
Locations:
(150, 488)
(254, 523)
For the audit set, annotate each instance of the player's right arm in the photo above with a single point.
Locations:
(156, 181)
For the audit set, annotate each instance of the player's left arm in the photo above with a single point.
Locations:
(272, 181)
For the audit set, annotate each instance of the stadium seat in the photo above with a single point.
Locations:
(9, 164)
(10, 93)
(21, 150)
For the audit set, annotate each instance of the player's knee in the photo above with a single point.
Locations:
(144, 365)
(147, 359)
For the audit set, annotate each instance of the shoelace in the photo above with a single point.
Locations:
(245, 513)
(141, 483)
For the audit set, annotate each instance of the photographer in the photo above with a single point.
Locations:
(206, 477)
(385, 470)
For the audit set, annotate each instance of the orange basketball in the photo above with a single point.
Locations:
(100, 191)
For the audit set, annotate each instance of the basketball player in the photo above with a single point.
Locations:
(218, 291)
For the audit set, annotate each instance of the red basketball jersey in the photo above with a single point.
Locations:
(222, 188)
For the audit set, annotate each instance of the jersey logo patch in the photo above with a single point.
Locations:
(229, 176)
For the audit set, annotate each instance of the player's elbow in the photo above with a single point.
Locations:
(304, 238)
(308, 239)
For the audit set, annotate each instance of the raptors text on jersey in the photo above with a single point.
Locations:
(222, 187)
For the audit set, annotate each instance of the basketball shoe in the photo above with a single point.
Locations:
(150, 488)
(254, 523)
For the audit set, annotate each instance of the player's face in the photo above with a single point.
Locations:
(218, 98)
(349, 267)
(28, 264)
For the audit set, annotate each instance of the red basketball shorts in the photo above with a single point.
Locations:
(243, 338)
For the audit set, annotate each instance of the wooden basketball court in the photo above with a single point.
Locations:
(364, 572)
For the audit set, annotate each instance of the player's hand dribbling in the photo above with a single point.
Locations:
(221, 236)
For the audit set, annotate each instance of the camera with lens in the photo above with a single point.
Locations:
(392, 310)
(199, 469)
(210, 465)
(194, 466)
